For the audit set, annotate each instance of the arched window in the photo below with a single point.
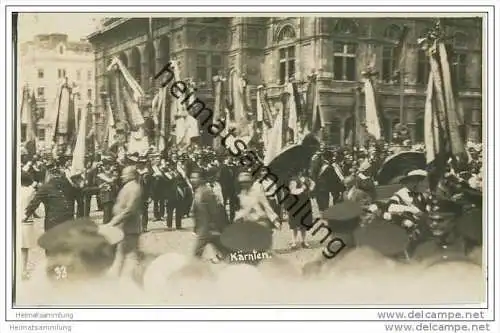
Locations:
(287, 56)
(346, 27)
(286, 33)
(393, 32)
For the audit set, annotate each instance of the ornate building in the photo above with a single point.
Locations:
(44, 64)
(270, 50)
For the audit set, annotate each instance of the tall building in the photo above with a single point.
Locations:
(44, 64)
(269, 50)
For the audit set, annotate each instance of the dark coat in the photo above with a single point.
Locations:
(209, 215)
(58, 196)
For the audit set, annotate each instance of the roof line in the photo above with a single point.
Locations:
(109, 27)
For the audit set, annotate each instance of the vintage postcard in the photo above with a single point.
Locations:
(209, 159)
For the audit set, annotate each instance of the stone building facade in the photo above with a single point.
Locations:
(269, 50)
(44, 65)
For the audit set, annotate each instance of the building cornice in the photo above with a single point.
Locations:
(108, 28)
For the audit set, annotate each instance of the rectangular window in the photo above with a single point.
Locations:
(41, 112)
(423, 68)
(287, 63)
(388, 64)
(344, 61)
(459, 70)
(89, 93)
(89, 76)
(78, 75)
(40, 73)
(61, 73)
(41, 134)
(216, 64)
(40, 92)
(201, 68)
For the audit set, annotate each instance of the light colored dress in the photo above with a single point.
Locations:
(26, 230)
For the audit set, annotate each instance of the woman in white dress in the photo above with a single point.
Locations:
(25, 228)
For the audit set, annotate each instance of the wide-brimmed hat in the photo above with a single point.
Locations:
(418, 174)
(245, 177)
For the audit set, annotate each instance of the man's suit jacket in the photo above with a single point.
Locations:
(209, 215)
(128, 208)
(58, 197)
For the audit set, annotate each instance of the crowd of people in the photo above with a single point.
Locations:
(214, 189)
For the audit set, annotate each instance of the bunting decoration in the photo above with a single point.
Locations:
(443, 140)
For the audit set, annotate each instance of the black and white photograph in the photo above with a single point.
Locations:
(249, 159)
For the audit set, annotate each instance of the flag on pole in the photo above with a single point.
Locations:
(110, 135)
(28, 119)
(186, 126)
(443, 140)
(78, 162)
(431, 125)
(219, 104)
(399, 52)
(275, 139)
(64, 128)
(313, 111)
(371, 115)
(238, 98)
(293, 121)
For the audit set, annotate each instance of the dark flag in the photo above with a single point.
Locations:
(442, 124)
(399, 52)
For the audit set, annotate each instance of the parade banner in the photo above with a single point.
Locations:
(217, 88)
(400, 51)
(431, 128)
(186, 126)
(28, 118)
(239, 106)
(65, 120)
(313, 112)
(110, 135)
(79, 152)
(275, 137)
(371, 116)
(293, 124)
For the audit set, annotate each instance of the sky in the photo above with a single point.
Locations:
(75, 25)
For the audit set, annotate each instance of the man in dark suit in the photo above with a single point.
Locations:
(58, 196)
(108, 188)
(209, 215)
